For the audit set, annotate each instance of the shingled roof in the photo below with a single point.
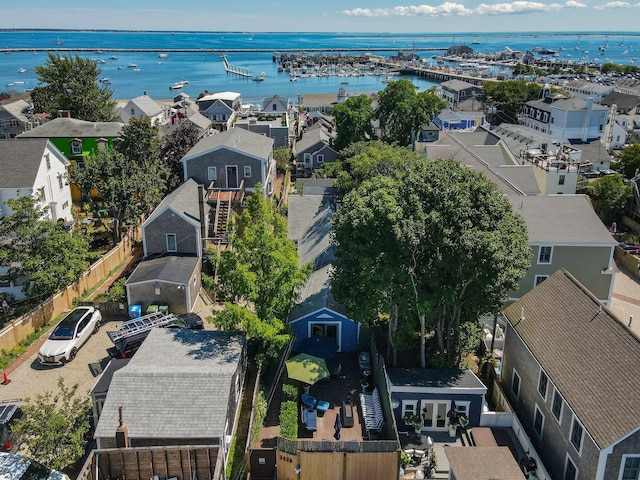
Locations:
(237, 139)
(64, 127)
(20, 161)
(590, 356)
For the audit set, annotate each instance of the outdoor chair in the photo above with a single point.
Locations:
(419, 455)
(309, 419)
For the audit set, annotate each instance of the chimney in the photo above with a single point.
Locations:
(122, 434)
(587, 120)
(64, 113)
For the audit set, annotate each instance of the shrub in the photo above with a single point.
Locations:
(289, 420)
(289, 392)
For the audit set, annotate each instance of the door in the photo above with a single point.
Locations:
(331, 330)
(434, 414)
(232, 176)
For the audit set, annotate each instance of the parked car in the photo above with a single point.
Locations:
(69, 335)
(191, 321)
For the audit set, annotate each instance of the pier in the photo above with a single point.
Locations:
(240, 71)
(59, 49)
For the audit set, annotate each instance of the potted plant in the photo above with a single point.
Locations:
(453, 426)
(412, 420)
(364, 383)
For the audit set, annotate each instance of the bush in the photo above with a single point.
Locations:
(289, 392)
(260, 414)
(289, 420)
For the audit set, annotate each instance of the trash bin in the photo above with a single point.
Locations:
(164, 309)
(152, 309)
(135, 311)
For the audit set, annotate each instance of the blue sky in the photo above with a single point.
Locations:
(327, 15)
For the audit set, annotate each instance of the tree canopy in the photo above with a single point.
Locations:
(55, 426)
(402, 110)
(39, 250)
(437, 241)
(70, 82)
(353, 120)
(175, 146)
(610, 196)
(629, 160)
(131, 180)
(259, 278)
(506, 99)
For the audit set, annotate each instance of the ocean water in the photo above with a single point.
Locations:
(203, 67)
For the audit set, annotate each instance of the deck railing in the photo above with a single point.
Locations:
(369, 446)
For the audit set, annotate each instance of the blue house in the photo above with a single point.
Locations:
(451, 120)
(433, 394)
(318, 313)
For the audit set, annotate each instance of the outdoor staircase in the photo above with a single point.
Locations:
(223, 212)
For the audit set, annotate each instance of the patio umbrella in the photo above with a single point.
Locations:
(319, 346)
(307, 368)
(337, 426)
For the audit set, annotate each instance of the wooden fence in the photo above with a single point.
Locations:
(631, 263)
(19, 329)
(144, 463)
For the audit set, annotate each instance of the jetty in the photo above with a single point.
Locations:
(241, 71)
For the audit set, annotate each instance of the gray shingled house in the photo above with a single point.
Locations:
(570, 371)
(233, 160)
(172, 239)
(314, 149)
(182, 387)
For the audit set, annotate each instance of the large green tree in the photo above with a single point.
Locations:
(175, 146)
(39, 250)
(402, 110)
(259, 278)
(353, 120)
(610, 196)
(629, 160)
(70, 82)
(504, 100)
(131, 180)
(441, 237)
(54, 426)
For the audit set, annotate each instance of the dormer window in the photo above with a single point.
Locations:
(76, 146)
(102, 143)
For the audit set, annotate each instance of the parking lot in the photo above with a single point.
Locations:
(28, 378)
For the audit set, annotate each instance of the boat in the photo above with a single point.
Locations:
(293, 79)
(19, 82)
(102, 61)
(59, 41)
(21, 70)
(159, 63)
(113, 57)
(163, 55)
(176, 86)
(11, 84)
(344, 83)
(132, 65)
(258, 79)
(137, 70)
(475, 42)
(105, 80)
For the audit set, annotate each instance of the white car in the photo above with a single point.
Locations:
(69, 335)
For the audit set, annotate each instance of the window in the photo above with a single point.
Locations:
(409, 407)
(275, 107)
(539, 279)
(570, 471)
(40, 194)
(247, 171)
(65, 205)
(14, 123)
(576, 434)
(47, 159)
(133, 112)
(76, 147)
(556, 406)
(307, 159)
(538, 422)
(561, 180)
(212, 173)
(60, 182)
(545, 254)
(172, 244)
(463, 408)
(320, 158)
(5, 281)
(630, 468)
(515, 384)
(543, 382)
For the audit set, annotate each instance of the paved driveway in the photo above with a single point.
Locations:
(28, 378)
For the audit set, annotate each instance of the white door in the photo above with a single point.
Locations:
(434, 414)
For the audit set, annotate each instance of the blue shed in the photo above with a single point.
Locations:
(432, 394)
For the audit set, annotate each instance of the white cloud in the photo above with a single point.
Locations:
(612, 5)
(457, 9)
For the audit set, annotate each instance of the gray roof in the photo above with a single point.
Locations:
(176, 386)
(562, 220)
(238, 139)
(170, 269)
(593, 151)
(309, 222)
(429, 378)
(102, 385)
(183, 200)
(459, 85)
(596, 88)
(15, 109)
(20, 161)
(316, 294)
(591, 357)
(483, 463)
(517, 137)
(147, 105)
(64, 127)
(311, 138)
(569, 104)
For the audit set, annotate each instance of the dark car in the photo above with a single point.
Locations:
(192, 321)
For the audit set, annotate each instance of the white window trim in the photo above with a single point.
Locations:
(247, 168)
(573, 421)
(559, 418)
(513, 375)
(539, 410)
(76, 146)
(175, 238)
(546, 391)
(464, 404)
(213, 170)
(407, 403)
(550, 255)
(624, 460)
(537, 277)
(567, 460)
(320, 158)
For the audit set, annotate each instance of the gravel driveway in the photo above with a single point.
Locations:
(31, 378)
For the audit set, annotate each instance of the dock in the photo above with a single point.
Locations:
(241, 71)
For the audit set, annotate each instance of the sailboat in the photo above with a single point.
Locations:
(59, 41)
